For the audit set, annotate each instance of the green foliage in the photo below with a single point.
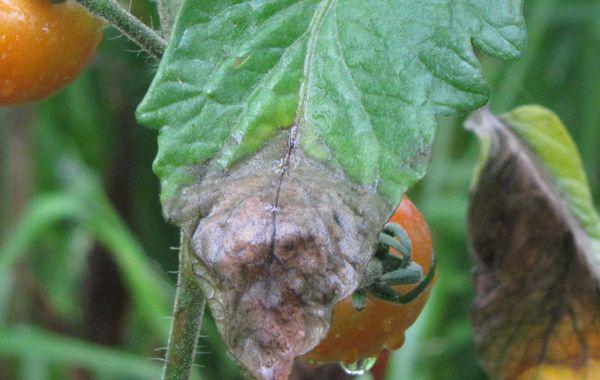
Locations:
(362, 82)
(91, 210)
(47, 347)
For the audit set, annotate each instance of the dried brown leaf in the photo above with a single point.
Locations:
(278, 244)
(537, 305)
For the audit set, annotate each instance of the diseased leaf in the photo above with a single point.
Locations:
(363, 81)
(289, 131)
(274, 273)
(533, 231)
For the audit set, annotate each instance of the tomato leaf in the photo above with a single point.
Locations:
(362, 80)
(289, 131)
(535, 236)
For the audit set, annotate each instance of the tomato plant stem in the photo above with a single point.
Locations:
(187, 320)
(129, 25)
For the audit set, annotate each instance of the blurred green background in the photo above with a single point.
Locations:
(86, 260)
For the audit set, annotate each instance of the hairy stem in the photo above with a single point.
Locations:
(187, 320)
(129, 25)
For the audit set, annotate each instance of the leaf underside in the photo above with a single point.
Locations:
(363, 81)
(532, 229)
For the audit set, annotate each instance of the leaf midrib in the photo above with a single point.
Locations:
(302, 101)
(314, 28)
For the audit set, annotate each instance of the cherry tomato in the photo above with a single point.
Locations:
(356, 335)
(43, 46)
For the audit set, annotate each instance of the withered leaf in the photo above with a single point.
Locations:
(277, 245)
(534, 234)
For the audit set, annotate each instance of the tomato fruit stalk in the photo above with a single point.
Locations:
(43, 47)
(356, 335)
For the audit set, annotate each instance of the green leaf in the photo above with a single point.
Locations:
(362, 80)
(88, 206)
(27, 342)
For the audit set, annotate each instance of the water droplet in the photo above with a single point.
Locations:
(359, 367)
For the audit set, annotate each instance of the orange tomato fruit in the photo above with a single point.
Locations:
(356, 335)
(43, 46)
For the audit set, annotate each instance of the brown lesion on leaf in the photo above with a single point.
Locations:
(537, 301)
(276, 247)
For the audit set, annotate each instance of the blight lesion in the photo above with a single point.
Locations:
(276, 249)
